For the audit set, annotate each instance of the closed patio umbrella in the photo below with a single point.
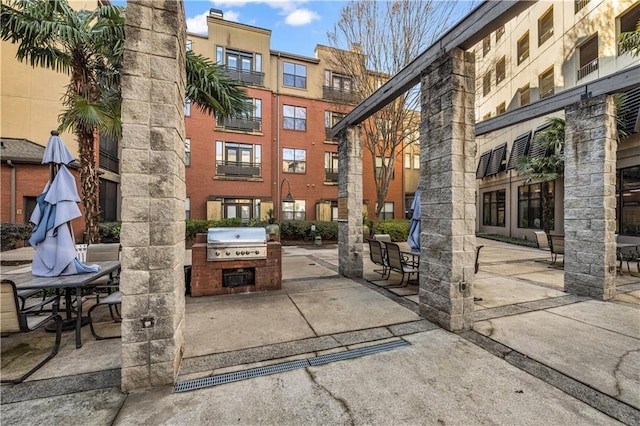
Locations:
(52, 237)
(414, 226)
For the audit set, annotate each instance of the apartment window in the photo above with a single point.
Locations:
(525, 95)
(238, 208)
(187, 208)
(219, 55)
(238, 159)
(486, 84)
(331, 167)
(189, 45)
(486, 116)
(579, 4)
(499, 33)
(238, 60)
(294, 211)
(187, 152)
(501, 109)
(187, 107)
(486, 45)
(493, 208)
(545, 82)
(628, 201)
(331, 118)
(523, 47)
(379, 170)
(294, 160)
(108, 201)
(500, 70)
(295, 75)
(545, 26)
(295, 118)
(407, 161)
(416, 161)
(338, 82)
(530, 205)
(258, 59)
(387, 211)
(588, 53)
(628, 21)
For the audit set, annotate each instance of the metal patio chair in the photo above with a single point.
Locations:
(378, 256)
(14, 319)
(399, 263)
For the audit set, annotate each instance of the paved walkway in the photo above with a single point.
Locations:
(536, 355)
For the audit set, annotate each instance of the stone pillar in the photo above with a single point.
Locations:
(350, 203)
(448, 186)
(590, 198)
(153, 193)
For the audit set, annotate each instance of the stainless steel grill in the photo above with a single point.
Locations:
(236, 244)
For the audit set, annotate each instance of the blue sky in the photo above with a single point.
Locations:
(296, 25)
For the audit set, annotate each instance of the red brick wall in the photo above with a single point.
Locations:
(30, 181)
(206, 277)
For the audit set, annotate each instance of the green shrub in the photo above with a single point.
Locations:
(194, 227)
(109, 231)
(13, 235)
(300, 230)
(398, 229)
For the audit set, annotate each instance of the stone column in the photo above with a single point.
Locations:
(153, 193)
(590, 198)
(448, 186)
(350, 203)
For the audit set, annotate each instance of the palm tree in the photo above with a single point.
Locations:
(88, 46)
(547, 168)
(630, 41)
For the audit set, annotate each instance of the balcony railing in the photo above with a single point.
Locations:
(580, 4)
(237, 168)
(109, 162)
(253, 78)
(588, 69)
(246, 124)
(338, 95)
(327, 135)
(331, 175)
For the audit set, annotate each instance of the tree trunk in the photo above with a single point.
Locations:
(89, 184)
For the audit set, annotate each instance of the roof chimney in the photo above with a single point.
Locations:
(216, 13)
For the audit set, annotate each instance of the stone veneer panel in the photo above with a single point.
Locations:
(590, 198)
(153, 192)
(350, 262)
(448, 186)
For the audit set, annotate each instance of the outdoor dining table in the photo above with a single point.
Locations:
(27, 281)
(620, 248)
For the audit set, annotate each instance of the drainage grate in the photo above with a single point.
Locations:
(355, 353)
(220, 379)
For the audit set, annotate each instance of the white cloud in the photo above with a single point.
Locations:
(301, 17)
(198, 23)
(232, 16)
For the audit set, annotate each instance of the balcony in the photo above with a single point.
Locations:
(237, 169)
(242, 123)
(588, 69)
(109, 162)
(252, 78)
(331, 175)
(328, 137)
(338, 95)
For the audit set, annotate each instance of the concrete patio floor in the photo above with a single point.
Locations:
(532, 346)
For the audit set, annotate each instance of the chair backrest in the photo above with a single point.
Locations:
(9, 321)
(542, 239)
(375, 252)
(103, 252)
(382, 237)
(557, 244)
(81, 252)
(394, 256)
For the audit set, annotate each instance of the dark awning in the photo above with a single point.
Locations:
(496, 164)
(520, 149)
(481, 171)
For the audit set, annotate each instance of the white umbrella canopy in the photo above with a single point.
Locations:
(414, 226)
(52, 237)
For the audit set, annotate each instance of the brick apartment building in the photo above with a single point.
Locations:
(241, 167)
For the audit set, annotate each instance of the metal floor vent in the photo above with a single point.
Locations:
(220, 379)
